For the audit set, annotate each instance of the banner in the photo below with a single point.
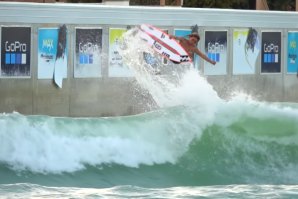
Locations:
(47, 53)
(271, 52)
(246, 49)
(116, 66)
(88, 52)
(216, 50)
(15, 51)
(292, 52)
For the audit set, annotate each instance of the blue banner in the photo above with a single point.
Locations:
(48, 39)
(47, 50)
(292, 52)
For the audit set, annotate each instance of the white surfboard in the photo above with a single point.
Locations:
(161, 43)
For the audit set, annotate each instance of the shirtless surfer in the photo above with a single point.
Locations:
(190, 46)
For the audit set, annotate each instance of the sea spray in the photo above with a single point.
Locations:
(183, 87)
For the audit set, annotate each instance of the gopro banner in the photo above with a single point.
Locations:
(216, 50)
(246, 49)
(88, 52)
(116, 65)
(271, 52)
(15, 51)
(292, 52)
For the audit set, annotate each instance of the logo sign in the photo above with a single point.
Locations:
(88, 44)
(215, 44)
(15, 51)
(48, 39)
(246, 50)
(216, 50)
(118, 43)
(292, 52)
(88, 52)
(271, 52)
(47, 46)
(292, 56)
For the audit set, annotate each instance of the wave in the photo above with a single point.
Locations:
(247, 142)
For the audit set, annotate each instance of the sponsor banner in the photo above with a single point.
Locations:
(246, 49)
(185, 33)
(292, 52)
(216, 50)
(48, 39)
(47, 53)
(116, 42)
(271, 52)
(15, 51)
(88, 52)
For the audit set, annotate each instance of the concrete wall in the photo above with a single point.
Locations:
(107, 96)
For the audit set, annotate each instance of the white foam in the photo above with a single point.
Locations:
(54, 145)
(188, 87)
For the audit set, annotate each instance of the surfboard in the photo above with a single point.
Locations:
(162, 44)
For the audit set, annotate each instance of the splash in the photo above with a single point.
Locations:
(176, 85)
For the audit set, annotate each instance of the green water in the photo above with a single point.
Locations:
(249, 145)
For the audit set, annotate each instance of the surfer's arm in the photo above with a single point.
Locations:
(198, 52)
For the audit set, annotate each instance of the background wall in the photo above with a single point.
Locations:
(110, 96)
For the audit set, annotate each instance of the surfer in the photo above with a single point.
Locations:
(190, 46)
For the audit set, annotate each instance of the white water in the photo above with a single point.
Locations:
(186, 87)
